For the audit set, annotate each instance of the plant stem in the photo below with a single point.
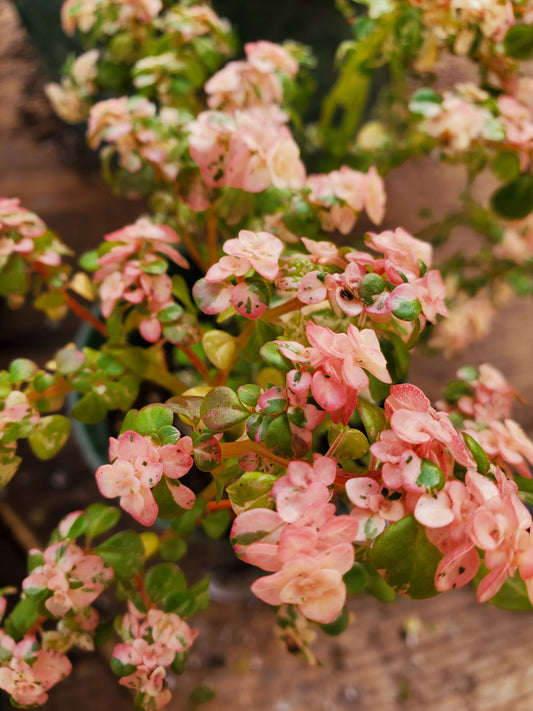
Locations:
(335, 444)
(212, 241)
(197, 363)
(218, 505)
(192, 251)
(240, 345)
(273, 314)
(74, 305)
(240, 447)
(145, 597)
(86, 315)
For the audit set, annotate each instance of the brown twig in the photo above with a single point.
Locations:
(20, 531)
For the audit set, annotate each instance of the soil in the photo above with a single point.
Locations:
(443, 654)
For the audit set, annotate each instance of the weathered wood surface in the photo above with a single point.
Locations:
(464, 657)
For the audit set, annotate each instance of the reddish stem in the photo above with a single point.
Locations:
(86, 315)
(193, 253)
(74, 305)
(145, 597)
(197, 363)
(36, 626)
(218, 505)
(240, 447)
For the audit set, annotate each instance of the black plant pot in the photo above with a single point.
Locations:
(41, 19)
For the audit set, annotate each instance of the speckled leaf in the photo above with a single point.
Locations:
(221, 409)
(406, 559)
(49, 435)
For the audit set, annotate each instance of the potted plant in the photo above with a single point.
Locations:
(278, 333)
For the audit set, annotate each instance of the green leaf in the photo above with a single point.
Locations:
(21, 619)
(518, 41)
(424, 101)
(101, 518)
(338, 625)
(278, 436)
(104, 632)
(257, 426)
(249, 395)
(270, 353)
(373, 418)
(380, 391)
(398, 364)
(8, 469)
(362, 576)
(215, 524)
(79, 527)
(158, 266)
(124, 552)
(163, 580)
(171, 313)
(355, 579)
(50, 300)
(110, 364)
(13, 277)
(90, 409)
(351, 445)
(21, 369)
(207, 453)
(152, 418)
(511, 596)
(128, 423)
(251, 491)
(42, 382)
(200, 590)
(49, 435)
(181, 292)
(478, 453)
(89, 261)
(201, 695)
(520, 281)
(186, 406)
(514, 200)
(167, 506)
(186, 522)
(371, 285)
(68, 360)
(376, 586)
(406, 559)
(172, 548)
(408, 310)
(121, 669)
(524, 484)
(179, 664)
(430, 477)
(455, 390)
(506, 165)
(181, 603)
(221, 409)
